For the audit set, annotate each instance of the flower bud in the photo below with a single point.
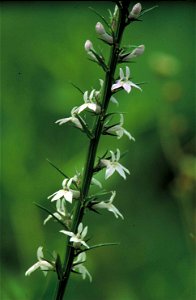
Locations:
(88, 46)
(136, 52)
(100, 28)
(135, 12)
(103, 34)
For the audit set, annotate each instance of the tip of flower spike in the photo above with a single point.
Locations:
(88, 45)
(135, 12)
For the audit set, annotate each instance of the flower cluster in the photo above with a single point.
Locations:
(75, 196)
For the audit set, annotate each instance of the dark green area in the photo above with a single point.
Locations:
(42, 51)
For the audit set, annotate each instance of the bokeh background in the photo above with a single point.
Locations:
(42, 51)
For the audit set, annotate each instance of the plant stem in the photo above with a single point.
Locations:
(92, 150)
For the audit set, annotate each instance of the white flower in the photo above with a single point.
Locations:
(61, 213)
(72, 119)
(103, 34)
(88, 103)
(113, 165)
(66, 193)
(109, 206)
(124, 82)
(78, 238)
(135, 53)
(79, 267)
(44, 265)
(119, 130)
(135, 12)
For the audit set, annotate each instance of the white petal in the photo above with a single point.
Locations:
(115, 211)
(136, 86)
(109, 172)
(82, 107)
(125, 169)
(129, 135)
(84, 232)
(112, 197)
(120, 170)
(117, 154)
(127, 87)
(47, 219)
(32, 269)
(85, 244)
(117, 85)
(80, 228)
(40, 254)
(57, 195)
(85, 96)
(69, 233)
(112, 156)
(65, 120)
(96, 182)
(127, 72)
(68, 196)
(113, 100)
(121, 74)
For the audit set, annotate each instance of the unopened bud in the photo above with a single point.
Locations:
(88, 46)
(103, 34)
(135, 12)
(136, 52)
(100, 28)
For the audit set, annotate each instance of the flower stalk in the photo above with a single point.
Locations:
(93, 145)
(75, 191)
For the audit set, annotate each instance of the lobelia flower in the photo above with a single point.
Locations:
(89, 104)
(77, 238)
(72, 119)
(103, 34)
(119, 130)
(61, 213)
(43, 264)
(79, 267)
(135, 53)
(109, 206)
(113, 165)
(135, 12)
(66, 193)
(124, 82)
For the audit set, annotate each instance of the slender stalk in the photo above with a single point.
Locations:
(92, 150)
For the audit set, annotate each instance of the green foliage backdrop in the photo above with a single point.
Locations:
(42, 51)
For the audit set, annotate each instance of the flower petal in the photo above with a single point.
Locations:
(120, 170)
(33, 268)
(109, 172)
(127, 87)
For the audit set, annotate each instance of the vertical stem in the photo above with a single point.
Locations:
(93, 145)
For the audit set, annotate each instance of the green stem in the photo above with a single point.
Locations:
(92, 150)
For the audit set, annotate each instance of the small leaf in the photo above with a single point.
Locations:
(147, 10)
(61, 172)
(103, 19)
(77, 88)
(99, 246)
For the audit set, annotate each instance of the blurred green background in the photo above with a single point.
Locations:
(42, 51)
